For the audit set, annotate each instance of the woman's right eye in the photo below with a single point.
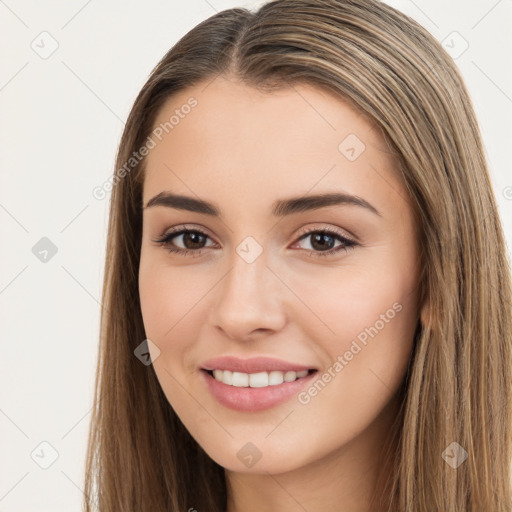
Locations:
(188, 236)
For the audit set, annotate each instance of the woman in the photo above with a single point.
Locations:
(304, 243)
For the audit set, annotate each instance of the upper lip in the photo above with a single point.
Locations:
(252, 365)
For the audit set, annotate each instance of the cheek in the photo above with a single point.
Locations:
(173, 305)
(365, 326)
(170, 304)
(349, 299)
(165, 294)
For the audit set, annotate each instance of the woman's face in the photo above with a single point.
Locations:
(323, 286)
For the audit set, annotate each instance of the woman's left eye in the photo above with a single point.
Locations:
(323, 238)
(322, 241)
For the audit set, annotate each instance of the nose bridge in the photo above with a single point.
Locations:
(249, 296)
(247, 280)
(249, 273)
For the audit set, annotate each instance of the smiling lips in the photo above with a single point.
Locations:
(254, 384)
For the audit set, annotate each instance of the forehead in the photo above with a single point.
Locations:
(237, 141)
(225, 105)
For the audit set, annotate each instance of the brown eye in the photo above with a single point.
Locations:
(193, 241)
(323, 242)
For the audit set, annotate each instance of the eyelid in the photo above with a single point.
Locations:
(186, 227)
(342, 233)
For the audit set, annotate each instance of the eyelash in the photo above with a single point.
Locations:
(347, 243)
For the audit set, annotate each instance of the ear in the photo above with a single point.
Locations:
(425, 314)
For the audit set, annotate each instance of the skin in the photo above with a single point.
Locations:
(242, 149)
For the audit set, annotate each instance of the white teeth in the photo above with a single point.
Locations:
(290, 376)
(275, 378)
(257, 380)
(226, 377)
(240, 380)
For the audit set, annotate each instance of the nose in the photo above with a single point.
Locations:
(249, 301)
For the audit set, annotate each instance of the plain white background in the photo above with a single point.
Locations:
(61, 119)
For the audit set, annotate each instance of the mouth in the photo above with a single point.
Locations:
(256, 383)
(262, 379)
(259, 391)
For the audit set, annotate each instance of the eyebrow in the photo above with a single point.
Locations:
(280, 208)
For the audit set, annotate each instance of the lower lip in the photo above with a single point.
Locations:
(254, 399)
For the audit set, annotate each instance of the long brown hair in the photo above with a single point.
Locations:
(458, 387)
